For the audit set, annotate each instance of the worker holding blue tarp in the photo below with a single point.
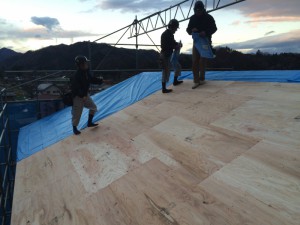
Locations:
(168, 45)
(204, 24)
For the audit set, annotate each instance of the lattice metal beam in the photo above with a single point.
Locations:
(181, 11)
(160, 19)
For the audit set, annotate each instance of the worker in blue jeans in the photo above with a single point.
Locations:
(168, 45)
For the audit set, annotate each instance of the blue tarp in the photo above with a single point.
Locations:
(49, 130)
(203, 46)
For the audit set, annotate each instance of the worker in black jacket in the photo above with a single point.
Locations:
(168, 44)
(80, 83)
(204, 24)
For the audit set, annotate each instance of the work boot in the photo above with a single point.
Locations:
(196, 85)
(164, 89)
(75, 131)
(90, 121)
(176, 81)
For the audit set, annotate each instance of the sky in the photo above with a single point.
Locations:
(271, 26)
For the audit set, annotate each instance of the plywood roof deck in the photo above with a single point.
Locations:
(225, 153)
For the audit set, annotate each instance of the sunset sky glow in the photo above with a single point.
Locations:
(271, 26)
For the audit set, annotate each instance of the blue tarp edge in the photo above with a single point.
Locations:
(50, 130)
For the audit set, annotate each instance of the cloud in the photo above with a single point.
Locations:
(47, 22)
(2, 21)
(270, 10)
(257, 10)
(275, 19)
(13, 35)
(270, 32)
(40, 33)
(280, 43)
(236, 23)
(18, 39)
(134, 5)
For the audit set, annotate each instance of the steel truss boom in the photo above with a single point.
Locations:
(151, 23)
(181, 11)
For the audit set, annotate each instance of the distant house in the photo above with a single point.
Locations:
(49, 96)
(48, 91)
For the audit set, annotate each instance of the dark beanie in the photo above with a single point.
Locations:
(198, 5)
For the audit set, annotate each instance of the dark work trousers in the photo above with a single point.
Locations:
(78, 104)
(199, 66)
(167, 66)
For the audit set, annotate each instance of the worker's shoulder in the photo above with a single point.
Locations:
(209, 16)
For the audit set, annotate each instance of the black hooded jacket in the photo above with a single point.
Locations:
(80, 83)
(167, 42)
(204, 22)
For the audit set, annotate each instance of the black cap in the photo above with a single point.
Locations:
(173, 23)
(80, 59)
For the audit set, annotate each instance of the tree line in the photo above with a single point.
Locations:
(106, 57)
(229, 58)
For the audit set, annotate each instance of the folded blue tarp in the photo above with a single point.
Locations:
(49, 130)
(203, 46)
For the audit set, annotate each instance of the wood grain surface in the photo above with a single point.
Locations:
(224, 153)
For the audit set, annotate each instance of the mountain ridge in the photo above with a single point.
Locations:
(61, 57)
(6, 53)
(106, 57)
